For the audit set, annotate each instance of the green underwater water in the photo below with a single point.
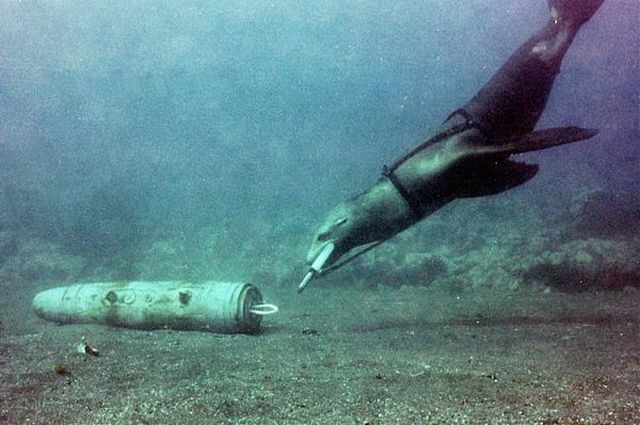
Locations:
(207, 140)
(210, 139)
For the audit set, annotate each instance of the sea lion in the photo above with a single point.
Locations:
(468, 155)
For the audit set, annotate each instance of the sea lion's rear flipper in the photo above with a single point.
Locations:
(575, 11)
(535, 141)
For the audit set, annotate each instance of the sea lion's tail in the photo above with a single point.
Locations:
(577, 12)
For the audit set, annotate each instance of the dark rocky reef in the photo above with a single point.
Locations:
(604, 215)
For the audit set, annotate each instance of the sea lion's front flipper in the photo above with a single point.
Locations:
(489, 178)
(535, 141)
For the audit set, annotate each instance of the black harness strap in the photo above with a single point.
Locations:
(468, 124)
(467, 116)
(414, 203)
(389, 171)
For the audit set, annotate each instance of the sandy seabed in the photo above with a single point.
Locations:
(339, 356)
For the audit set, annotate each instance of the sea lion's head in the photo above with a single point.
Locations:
(374, 215)
(336, 229)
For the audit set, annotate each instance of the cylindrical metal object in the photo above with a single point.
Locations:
(210, 306)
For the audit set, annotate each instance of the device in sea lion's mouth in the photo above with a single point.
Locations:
(317, 264)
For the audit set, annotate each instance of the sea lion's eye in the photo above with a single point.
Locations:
(323, 236)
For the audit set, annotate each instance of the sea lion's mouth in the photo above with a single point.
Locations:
(316, 249)
(323, 255)
(317, 264)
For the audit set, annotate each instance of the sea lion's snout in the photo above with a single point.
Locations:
(328, 244)
(331, 231)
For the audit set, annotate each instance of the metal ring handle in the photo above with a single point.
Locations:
(263, 309)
